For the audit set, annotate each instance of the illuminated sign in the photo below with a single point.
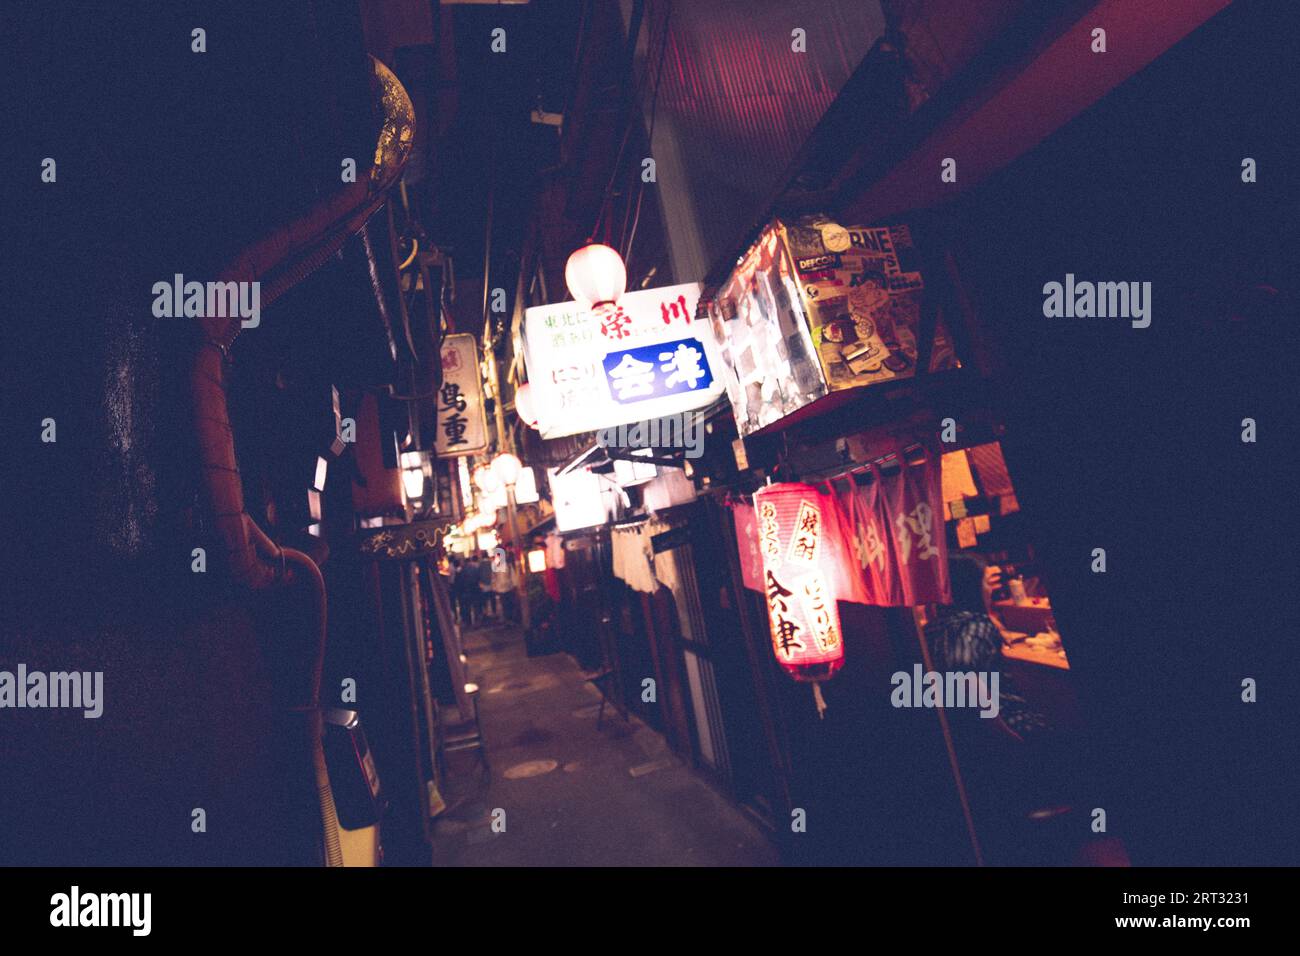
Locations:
(813, 308)
(581, 499)
(801, 540)
(641, 359)
(462, 422)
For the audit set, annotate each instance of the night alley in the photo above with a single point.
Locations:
(575, 795)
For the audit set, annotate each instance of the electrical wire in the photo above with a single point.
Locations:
(625, 241)
(627, 131)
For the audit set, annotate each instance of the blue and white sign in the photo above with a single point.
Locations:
(654, 371)
(644, 359)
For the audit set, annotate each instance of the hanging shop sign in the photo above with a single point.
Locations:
(668, 489)
(403, 542)
(581, 499)
(644, 358)
(802, 543)
(751, 561)
(462, 419)
(813, 308)
(672, 538)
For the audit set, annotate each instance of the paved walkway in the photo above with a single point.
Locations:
(573, 795)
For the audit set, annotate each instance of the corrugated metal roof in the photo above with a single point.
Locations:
(736, 103)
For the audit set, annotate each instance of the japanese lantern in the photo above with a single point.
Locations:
(486, 479)
(506, 467)
(524, 405)
(596, 276)
(804, 573)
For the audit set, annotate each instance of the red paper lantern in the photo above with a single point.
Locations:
(800, 539)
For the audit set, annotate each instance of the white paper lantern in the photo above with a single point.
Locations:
(526, 488)
(524, 405)
(596, 276)
(486, 479)
(506, 467)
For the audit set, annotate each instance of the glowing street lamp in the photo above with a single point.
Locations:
(412, 463)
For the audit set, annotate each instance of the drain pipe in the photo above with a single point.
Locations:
(279, 261)
(314, 725)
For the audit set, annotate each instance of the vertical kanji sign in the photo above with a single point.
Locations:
(462, 421)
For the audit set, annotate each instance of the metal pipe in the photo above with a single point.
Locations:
(521, 567)
(279, 261)
(421, 787)
(315, 728)
(412, 571)
(953, 763)
(487, 247)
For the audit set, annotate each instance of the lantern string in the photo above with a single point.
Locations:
(819, 700)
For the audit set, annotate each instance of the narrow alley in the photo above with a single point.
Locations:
(566, 434)
(574, 795)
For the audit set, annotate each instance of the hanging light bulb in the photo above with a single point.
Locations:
(412, 463)
(596, 276)
(524, 405)
(413, 483)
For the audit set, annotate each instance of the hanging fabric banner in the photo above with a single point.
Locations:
(872, 542)
(853, 587)
(632, 558)
(751, 561)
(913, 501)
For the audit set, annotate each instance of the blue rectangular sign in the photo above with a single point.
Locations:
(655, 371)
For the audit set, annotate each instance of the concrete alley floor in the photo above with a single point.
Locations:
(573, 795)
